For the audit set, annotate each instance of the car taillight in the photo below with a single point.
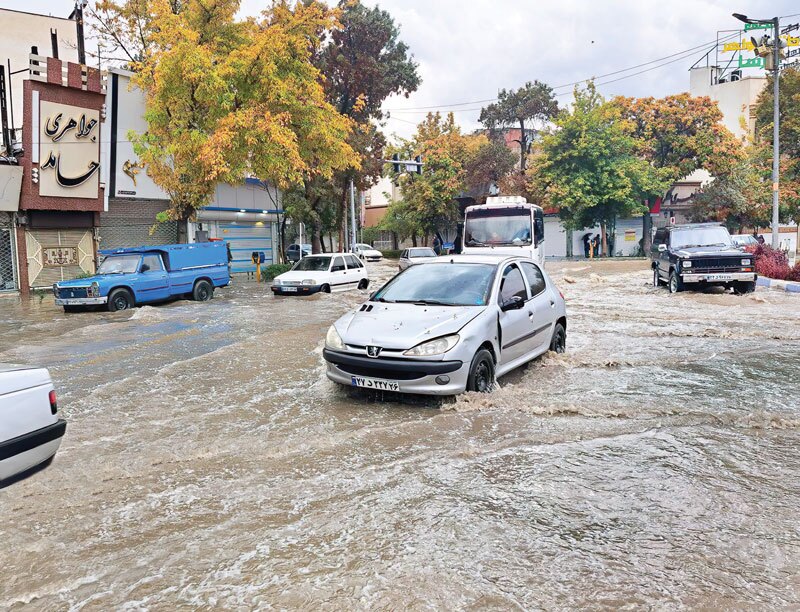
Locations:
(53, 402)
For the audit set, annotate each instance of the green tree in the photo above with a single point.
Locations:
(677, 135)
(789, 133)
(590, 167)
(488, 166)
(532, 104)
(227, 99)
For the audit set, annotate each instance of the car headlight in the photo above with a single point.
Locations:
(333, 339)
(308, 281)
(94, 290)
(276, 281)
(745, 262)
(686, 264)
(433, 347)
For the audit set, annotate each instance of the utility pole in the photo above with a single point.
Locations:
(776, 72)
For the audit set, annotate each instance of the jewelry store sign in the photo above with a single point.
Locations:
(69, 151)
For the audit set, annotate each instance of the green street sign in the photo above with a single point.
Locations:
(757, 26)
(751, 62)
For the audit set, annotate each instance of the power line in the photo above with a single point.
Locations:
(488, 100)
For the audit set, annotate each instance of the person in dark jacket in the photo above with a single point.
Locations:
(587, 238)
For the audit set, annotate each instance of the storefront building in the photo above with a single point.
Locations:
(61, 195)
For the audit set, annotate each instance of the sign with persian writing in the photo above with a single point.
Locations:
(59, 256)
(69, 151)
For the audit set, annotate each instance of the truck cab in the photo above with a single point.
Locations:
(141, 275)
(505, 225)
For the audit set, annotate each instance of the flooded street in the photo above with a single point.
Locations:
(208, 462)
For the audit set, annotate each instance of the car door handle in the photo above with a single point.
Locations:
(552, 303)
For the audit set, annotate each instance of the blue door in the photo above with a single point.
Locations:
(153, 282)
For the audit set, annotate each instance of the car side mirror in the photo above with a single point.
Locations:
(144, 268)
(513, 303)
(662, 248)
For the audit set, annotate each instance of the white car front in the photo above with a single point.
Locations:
(322, 273)
(368, 253)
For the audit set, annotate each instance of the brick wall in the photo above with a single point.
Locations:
(128, 223)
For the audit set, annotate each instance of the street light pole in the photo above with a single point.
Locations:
(775, 136)
(776, 71)
(352, 215)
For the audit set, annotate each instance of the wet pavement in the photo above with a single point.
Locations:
(208, 463)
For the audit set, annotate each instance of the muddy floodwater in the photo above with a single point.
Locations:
(208, 463)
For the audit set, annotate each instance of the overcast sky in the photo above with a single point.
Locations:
(469, 49)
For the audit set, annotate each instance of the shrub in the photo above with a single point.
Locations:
(773, 263)
(391, 253)
(274, 270)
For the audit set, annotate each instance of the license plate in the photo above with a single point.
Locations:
(290, 289)
(721, 277)
(374, 383)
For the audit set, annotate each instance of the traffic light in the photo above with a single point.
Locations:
(396, 163)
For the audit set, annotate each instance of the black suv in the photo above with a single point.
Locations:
(700, 255)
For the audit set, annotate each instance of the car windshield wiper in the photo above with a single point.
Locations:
(425, 302)
(384, 300)
(474, 242)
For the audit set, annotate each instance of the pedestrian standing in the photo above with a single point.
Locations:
(587, 239)
(597, 243)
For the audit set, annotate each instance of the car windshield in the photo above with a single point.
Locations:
(498, 226)
(700, 237)
(296, 247)
(421, 253)
(447, 284)
(312, 263)
(366, 247)
(119, 264)
(744, 240)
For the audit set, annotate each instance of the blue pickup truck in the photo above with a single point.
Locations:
(141, 275)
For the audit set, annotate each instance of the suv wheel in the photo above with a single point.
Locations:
(675, 282)
(743, 287)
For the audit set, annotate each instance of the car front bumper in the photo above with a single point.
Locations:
(721, 277)
(81, 301)
(411, 375)
(295, 289)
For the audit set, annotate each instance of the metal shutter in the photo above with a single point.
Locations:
(245, 237)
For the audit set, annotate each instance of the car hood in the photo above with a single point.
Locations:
(298, 276)
(708, 250)
(97, 278)
(371, 253)
(402, 326)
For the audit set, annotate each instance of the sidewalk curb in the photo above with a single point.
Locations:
(771, 283)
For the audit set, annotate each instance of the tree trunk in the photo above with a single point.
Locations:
(281, 242)
(604, 240)
(395, 242)
(647, 229)
(343, 213)
(523, 152)
(569, 243)
(413, 240)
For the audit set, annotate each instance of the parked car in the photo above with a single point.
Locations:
(293, 252)
(744, 240)
(142, 275)
(30, 429)
(700, 255)
(326, 272)
(368, 253)
(452, 325)
(416, 255)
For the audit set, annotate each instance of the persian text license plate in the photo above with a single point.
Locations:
(374, 383)
(289, 289)
(719, 277)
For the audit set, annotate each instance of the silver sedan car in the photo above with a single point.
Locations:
(454, 324)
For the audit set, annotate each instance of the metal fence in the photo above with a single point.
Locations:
(7, 271)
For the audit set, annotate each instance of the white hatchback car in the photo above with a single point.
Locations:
(322, 273)
(416, 255)
(367, 253)
(452, 325)
(30, 430)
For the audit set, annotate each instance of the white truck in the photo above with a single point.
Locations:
(505, 225)
(30, 429)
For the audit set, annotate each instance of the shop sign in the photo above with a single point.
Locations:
(69, 151)
(53, 257)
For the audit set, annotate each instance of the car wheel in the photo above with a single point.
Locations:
(203, 291)
(120, 299)
(363, 284)
(481, 372)
(325, 289)
(675, 282)
(743, 287)
(559, 342)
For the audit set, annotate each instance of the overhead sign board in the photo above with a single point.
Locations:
(69, 151)
(757, 26)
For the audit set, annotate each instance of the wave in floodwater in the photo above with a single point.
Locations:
(208, 462)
